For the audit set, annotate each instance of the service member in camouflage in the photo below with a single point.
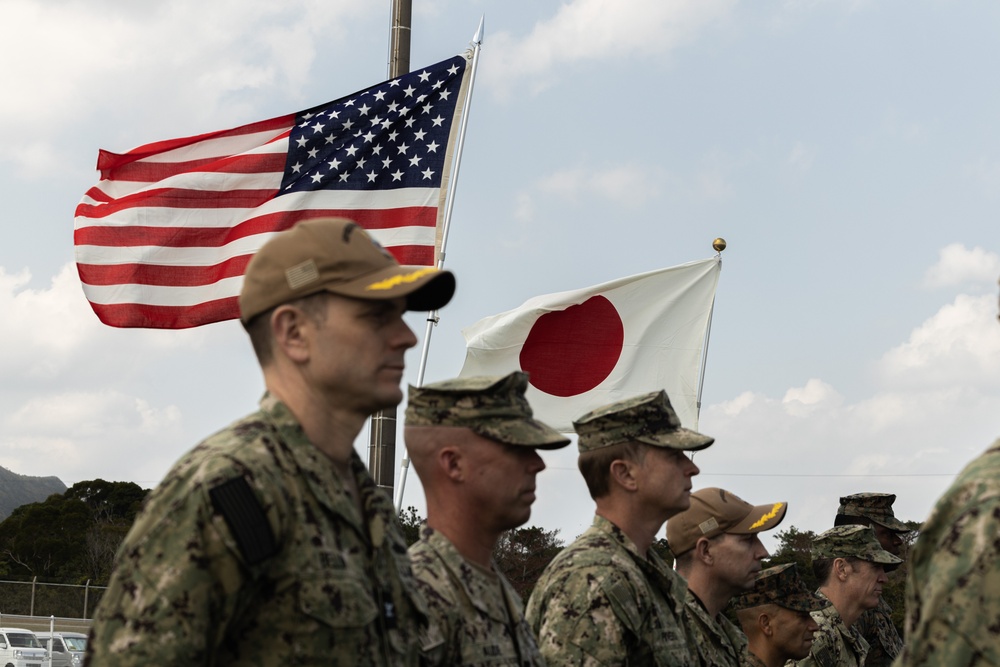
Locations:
(851, 567)
(953, 587)
(717, 550)
(775, 617)
(875, 625)
(269, 543)
(607, 598)
(473, 443)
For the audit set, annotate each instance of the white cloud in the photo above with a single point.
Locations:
(959, 345)
(801, 157)
(596, 30)
(958, 265)
(629, 185)
(185, 59)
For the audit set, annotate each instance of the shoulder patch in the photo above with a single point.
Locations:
(238, 505)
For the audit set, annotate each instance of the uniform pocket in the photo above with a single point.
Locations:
(338, 601)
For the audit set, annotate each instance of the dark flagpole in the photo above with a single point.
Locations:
(382, 441)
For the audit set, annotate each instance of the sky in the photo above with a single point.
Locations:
(848, 151)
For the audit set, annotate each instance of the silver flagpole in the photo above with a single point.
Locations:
(449, 204)
(718, 245)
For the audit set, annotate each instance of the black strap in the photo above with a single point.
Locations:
(238, 505)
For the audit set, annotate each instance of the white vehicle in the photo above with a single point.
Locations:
(75, 643)
(20, 648)
(57, 648)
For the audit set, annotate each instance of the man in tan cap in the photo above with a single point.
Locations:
(775, 617)
(875, 625)
(718, 552)
(269, 543)
(473, 443)
(608, 599)
(850, 565)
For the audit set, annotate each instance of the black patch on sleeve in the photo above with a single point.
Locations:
(236, 502)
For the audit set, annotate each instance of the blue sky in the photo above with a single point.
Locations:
(848, 152)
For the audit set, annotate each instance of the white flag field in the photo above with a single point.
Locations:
(589, 347)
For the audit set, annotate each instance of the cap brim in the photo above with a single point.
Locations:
(883, 557)
(761, 518)
(803, 601)
(682, 438)
(424, 287)
(524, 433)
(893, 524)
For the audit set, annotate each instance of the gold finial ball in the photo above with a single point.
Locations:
(719, 244)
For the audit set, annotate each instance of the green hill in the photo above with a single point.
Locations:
(17, 490)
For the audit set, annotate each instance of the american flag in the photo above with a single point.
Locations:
(163, 239)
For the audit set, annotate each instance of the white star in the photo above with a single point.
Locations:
(432, 147)
(415, 161)
(410, 121)
(351, 150)
(301, 141)
(330, 138)
(297, 167)
(424, 76)
(318, 127)
(369, 136)
(419, 135)
(394, 82)
(376, 149)
(312, 153)
(385, 163)
(437, 84)
(364, 109)
(304, 124)
(393, 135)
(371, 176)
(348, 124)
(343, 177)
(437, 121)
(403, 148)
(409, 90)
(386, 124)
(316, 178)
(421, 99)
(404, 111)
(393, 107)
(333, 113)
(397, 175)
(380, 95)
(453, 70)
(361, 163)
(308, 116)
(334, 163)
(377, 120)
(349, 103)
(445, 94)
(427, 108)
(427, 174)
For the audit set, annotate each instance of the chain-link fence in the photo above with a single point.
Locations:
(35, 598)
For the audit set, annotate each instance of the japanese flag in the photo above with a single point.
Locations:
(586, 348)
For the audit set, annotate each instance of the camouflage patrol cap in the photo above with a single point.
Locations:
(648, 419)
(857, 541)
(338, 256)
(716, 511)
(781, 585)
(876, 507)
(492, 406)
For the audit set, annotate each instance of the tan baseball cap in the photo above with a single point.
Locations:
(716, 511)
(338, 256)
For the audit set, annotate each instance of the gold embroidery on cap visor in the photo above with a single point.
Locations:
(767, 517)
(394, 281)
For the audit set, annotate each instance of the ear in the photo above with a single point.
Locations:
(623, 473)
(764, 623)
(290, 332)
(703, 551)
(452, 463)
(841, 568)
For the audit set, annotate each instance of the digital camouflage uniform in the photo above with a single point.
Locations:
(251, 552)
(718, 642)
(750, 660)
(479, 614)
(600, 603)
(953, 589)
(876, 626)
(834, 644)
